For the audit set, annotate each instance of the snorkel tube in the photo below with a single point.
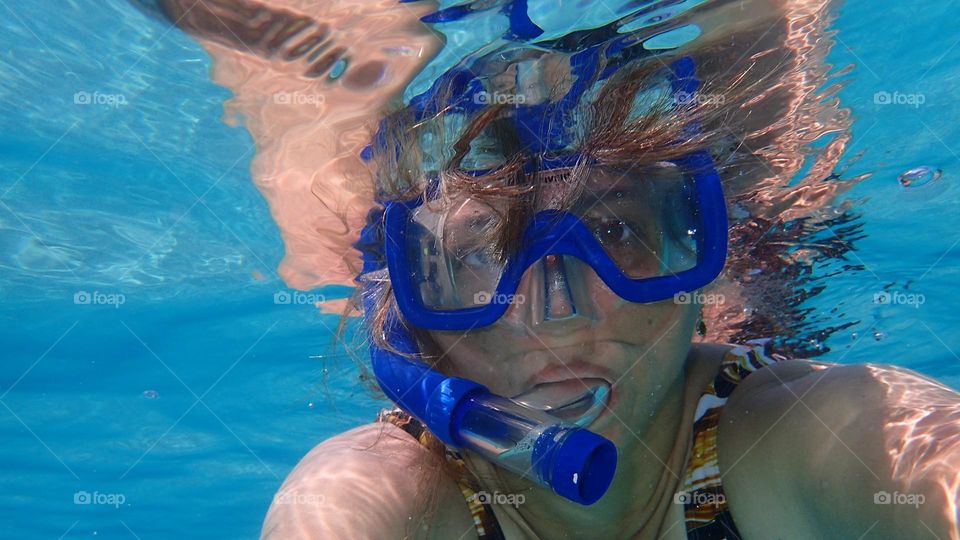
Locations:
(549, 449)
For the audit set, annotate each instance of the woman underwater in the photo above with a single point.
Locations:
(545, 247)
(563, 271)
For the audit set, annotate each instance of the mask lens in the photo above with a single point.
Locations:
(646, 220)
(455, 265)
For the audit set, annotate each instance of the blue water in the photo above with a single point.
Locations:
(193, 399)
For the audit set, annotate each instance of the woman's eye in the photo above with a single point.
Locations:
(611, 232)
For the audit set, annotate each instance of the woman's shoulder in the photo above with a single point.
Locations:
(786, 399)
(779, 389)
(373, 481)
(815, 434)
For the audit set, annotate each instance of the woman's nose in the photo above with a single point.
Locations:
(558, 300)
(553, 290)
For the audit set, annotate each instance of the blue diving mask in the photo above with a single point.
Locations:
(649, 234)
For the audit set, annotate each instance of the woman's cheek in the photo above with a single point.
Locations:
(472, 356)
(646, 323)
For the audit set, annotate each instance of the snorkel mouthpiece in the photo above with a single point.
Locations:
(553, 452)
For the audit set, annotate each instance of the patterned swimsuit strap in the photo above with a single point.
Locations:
(705, 504)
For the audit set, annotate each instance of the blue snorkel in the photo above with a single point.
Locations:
(532, 442)
(572, 461)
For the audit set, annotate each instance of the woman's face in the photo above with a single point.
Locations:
(640, 349)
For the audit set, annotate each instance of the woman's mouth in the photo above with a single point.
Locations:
(573, 369)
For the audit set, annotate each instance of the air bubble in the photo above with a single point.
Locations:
(919, 177)
(151, 394)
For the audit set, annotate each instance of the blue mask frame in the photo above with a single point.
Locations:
(553, 232)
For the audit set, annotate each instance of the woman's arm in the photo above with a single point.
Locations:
(843, 450)
(370, 482)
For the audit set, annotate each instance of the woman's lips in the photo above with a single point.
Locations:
(575, 369)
